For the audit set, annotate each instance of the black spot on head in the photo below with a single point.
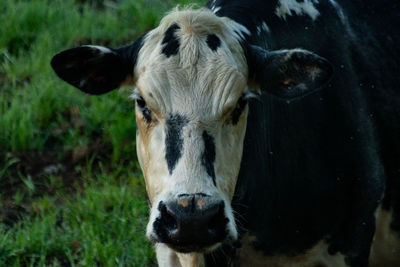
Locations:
(208, 157)
(174, 140)
(170, 42)
(213, 42)
(241, 104)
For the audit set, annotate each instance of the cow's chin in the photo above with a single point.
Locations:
(194, 248)
(191, 246)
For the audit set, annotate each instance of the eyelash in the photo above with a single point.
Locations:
(240, 106)
(141, 103)
(144, 109)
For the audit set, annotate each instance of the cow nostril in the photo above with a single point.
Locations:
(168, 218)
(217, 220)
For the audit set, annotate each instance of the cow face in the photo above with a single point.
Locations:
(191, 112)
(192, 75)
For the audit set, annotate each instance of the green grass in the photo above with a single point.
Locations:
(101, 225)
(71, 192)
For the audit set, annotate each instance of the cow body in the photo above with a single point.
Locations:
(298, 177)
(313, 171)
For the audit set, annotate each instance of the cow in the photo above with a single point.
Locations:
(268, 131)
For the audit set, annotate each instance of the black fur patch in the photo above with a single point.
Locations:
(90, 69)
(174, 140)
(170, 42)
(213, 42)
(238, 110)
(208, 157)
(130, 53)
(94, 71)
(163, 222)
(279, 194)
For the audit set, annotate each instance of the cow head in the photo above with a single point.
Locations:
(192, 75)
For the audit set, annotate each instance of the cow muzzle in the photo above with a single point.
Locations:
(193, 223)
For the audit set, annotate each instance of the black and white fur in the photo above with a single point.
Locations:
(310, 168)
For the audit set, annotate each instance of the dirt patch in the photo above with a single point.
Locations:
(29, 177)
(34, 174)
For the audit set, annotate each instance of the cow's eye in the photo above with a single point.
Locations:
(143, 108)
(140, 102)
(241, 104)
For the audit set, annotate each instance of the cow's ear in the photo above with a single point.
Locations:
(287, 73)
(96, 69)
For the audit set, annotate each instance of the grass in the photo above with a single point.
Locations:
(71, 191)
(101, 225)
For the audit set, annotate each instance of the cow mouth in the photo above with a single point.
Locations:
(186, 229)
(194, 241)
(189, 248)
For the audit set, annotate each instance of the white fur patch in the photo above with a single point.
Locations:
(258, 30)
(215, 9)
(213, 3)
(135, 95)
(103, 49)
(191, 259)
(238, 29)
(250, 95)
(263, 28)
(166, 257)
(287, 7)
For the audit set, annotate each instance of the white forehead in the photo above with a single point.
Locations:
(197, 79)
